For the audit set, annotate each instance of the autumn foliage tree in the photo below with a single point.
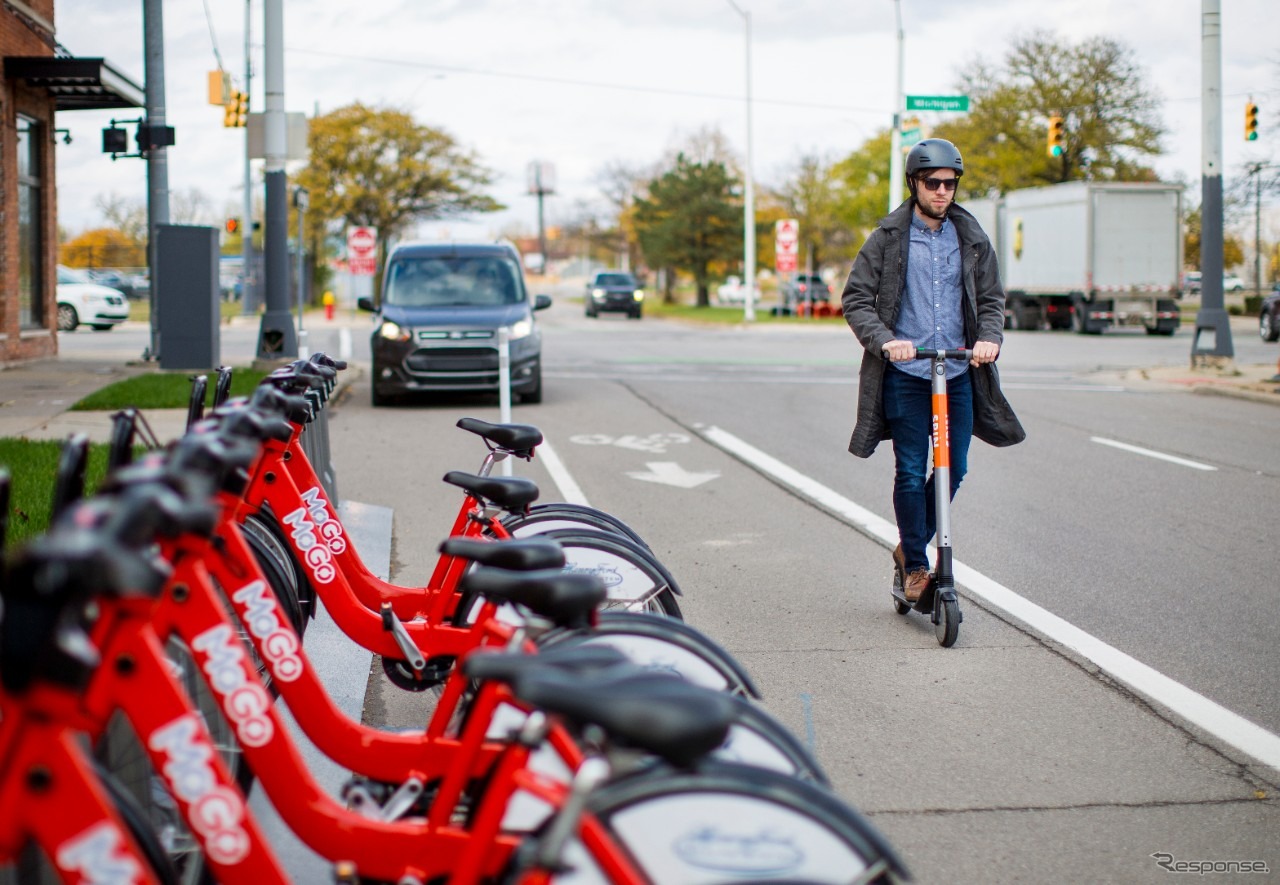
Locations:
(380, 168)
(103, 247)
(1112, 119)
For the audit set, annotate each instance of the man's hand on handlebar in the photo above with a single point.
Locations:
(899, 351)
(984, 352)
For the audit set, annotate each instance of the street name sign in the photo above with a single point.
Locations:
(938, 103)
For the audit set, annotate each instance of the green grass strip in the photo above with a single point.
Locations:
(32, 466)
(163, 390)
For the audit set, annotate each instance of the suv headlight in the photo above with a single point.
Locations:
(638, 294)
(522, 329)
(393, 332)
(597, 294)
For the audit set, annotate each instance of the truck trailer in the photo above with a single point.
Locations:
(1088, 255)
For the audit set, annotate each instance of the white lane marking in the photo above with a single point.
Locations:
(1231, 728)
(568, 486)
(670, 473)
(1150, 453)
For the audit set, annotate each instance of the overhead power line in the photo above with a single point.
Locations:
(595, 84)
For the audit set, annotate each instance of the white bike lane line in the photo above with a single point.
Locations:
(1203, 713)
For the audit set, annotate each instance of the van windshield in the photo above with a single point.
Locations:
(440, 281)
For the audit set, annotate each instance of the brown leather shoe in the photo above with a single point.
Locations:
(915, 584)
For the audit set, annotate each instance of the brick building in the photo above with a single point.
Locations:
(40, 78)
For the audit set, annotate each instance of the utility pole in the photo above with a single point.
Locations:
(276, 337)
(157, 157)
(1256, 171)
(895, 140)
(1211, 347)
(249, 300)
(749, 195)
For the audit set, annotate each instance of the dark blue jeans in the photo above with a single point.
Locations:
(908, 407)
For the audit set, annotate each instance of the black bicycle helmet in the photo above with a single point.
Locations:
(935, 153)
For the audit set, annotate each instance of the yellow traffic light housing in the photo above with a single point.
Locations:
(1057, 137)
(236, 110)
(1250, 121)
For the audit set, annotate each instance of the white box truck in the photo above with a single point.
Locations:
(1089, 255)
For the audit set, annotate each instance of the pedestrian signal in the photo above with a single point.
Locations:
(233, 225)
(1057, 137)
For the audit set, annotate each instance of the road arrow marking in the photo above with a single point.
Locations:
(669, 473)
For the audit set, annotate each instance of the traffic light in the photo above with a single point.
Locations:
(233, 225)
(1250, 121)
(1057, 135)
(236, 110)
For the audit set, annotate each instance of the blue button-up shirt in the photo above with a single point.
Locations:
(930, 315)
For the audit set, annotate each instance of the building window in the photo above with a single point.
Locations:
(30, 245)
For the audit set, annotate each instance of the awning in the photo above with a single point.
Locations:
(77, 84)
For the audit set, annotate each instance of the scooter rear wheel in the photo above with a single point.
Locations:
(947, 627)
(900, 605)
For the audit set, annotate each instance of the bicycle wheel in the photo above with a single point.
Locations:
(33, 868)
(755, 740)
(726, 822)
(265, 525)
(632, 575)
(562, 515)
(660, 643)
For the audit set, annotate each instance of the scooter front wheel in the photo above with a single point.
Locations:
(947, 625)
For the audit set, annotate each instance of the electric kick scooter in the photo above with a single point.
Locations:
(939, 599)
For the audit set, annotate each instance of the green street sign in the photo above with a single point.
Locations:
(910, 136)
(938, 103)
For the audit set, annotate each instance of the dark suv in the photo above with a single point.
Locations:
(614, 290)
(436, 327)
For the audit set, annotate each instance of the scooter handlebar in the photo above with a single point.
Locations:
(926, 353)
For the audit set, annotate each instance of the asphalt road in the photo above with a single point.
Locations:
(1012, 757)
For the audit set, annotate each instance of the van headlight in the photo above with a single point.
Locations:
(522, 329)
(393, 332)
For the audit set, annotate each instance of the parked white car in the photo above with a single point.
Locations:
(1232, 283)
(81, 300)
(733, 292)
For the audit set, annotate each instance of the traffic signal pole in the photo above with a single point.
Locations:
(248, 293)
(276, 335)
(1211, 346)
(157, 158)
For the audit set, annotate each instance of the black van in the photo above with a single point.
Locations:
(436, 327)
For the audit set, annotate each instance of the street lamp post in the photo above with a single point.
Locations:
(749, 209)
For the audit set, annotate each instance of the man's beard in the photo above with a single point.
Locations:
(928, 210)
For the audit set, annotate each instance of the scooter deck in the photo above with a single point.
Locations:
(924, 604)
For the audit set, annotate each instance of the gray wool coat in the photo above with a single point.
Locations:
(871, 299)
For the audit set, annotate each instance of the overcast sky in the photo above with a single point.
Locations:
(583, 83)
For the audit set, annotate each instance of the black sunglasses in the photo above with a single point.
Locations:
(932, 184)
